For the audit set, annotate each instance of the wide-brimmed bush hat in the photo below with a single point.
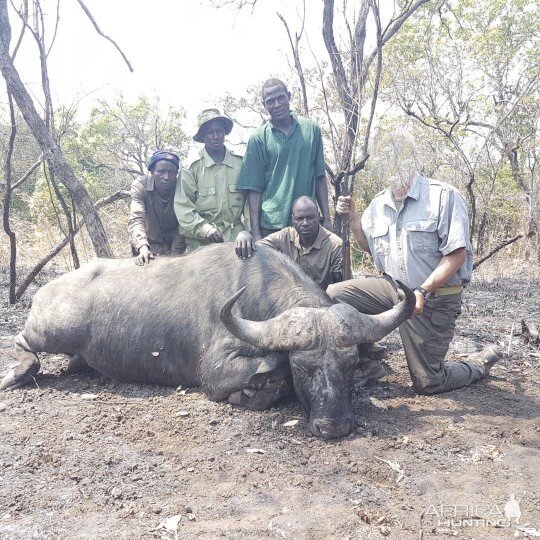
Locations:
(207, 116)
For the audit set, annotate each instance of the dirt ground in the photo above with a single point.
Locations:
(85, 457)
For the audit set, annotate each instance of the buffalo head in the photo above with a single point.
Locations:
(322, 352)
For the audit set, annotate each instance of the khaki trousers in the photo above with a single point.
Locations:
(425, 338)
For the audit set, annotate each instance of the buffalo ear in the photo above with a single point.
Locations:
(363, 353)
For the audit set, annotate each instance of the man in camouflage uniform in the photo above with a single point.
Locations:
(153, 228)
(207, 204)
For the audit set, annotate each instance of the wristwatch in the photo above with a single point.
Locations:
(424, 293)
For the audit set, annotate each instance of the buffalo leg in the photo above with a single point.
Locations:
(77, 364)
(27, 368)
(252, 382)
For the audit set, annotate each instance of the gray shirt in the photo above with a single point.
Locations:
(409, 244)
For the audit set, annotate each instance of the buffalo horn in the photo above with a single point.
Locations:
(356, 327)
(294, 329)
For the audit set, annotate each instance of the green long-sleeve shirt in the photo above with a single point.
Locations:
(206, 197)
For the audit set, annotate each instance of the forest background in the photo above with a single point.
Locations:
(461, 75)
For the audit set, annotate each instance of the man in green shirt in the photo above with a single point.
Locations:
(284, 160)
(207, 204)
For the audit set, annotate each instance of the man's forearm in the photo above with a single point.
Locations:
(255, 204)
(355, 223)
(321, 193)
(446, 269)
(137, 232)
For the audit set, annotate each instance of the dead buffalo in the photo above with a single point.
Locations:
(160, 324)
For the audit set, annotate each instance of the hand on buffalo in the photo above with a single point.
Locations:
(214, 235)
(245, 245)
(344, 206)
(144, 256)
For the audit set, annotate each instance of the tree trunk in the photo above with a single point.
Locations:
(51, 150)
(7, 206)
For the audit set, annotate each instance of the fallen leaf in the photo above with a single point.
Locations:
(364, 516)
(116, 493)
(394, 466)
(170, 524)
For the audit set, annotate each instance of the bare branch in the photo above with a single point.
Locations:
(392, 29)
(27, 174)
(23, 28)
(7, 204)
(296, 56)
(55, 32)
(503, 244)
(98, 30)
(378, 72)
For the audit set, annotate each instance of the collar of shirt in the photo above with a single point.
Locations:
(209, 162)
(294, 124)
(413, 193)
(149, 182)
(295, 239)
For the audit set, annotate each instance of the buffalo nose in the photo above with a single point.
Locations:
(330, 429)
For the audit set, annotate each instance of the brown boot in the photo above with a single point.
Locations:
(486, 359)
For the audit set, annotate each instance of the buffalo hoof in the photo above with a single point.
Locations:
(77, 364)
(330, 429)
(20, 375)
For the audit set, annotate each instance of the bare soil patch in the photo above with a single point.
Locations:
(82, 456)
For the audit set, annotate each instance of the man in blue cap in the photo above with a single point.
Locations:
(153, 227)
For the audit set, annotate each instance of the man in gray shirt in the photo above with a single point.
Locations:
(417, 231)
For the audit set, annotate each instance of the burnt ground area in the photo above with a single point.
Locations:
(82, 456)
